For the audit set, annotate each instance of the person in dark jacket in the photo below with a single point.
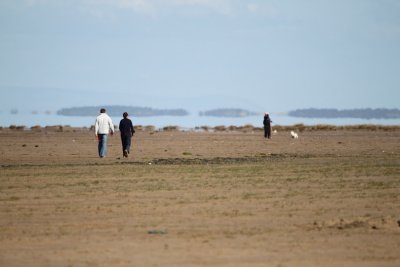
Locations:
(127, 131)
(267, 126)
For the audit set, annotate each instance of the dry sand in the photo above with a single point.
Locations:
(329, 198)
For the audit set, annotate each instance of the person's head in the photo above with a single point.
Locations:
(266, 114)
(125, 115)
(103, 110)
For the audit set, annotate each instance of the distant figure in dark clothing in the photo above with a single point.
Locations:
(127, 131)
(267, 126)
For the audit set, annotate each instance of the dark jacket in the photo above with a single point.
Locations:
(126, 127)
(267, 121)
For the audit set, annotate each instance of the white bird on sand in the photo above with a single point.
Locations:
(294, 135)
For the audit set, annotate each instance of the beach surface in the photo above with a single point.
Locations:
(200, 198)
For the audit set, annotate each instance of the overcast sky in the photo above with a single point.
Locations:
(274, 55)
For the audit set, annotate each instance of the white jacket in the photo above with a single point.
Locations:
(103, 124)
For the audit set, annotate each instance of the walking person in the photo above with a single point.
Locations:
(127, 131)
(267, 126)
(102, 127)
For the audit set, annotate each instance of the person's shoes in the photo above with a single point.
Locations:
(125, 153)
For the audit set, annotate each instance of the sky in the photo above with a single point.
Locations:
(261, 55)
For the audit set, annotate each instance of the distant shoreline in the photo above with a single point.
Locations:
(220, 128)
(366, 113)
(324, 113)
(143, 112)
(190, 121)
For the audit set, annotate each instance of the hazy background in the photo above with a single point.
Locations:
(270, 55)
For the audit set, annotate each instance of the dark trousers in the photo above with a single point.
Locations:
(126, 142)
(267, 132)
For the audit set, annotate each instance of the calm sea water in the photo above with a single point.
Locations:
(190, 121)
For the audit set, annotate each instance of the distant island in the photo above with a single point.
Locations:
(367, 113)
(228, 112)
(116, 111)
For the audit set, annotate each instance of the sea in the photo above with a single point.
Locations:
(184, 122)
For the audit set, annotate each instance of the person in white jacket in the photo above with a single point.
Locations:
(102, 127)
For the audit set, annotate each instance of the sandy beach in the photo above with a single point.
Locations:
(200, 198)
